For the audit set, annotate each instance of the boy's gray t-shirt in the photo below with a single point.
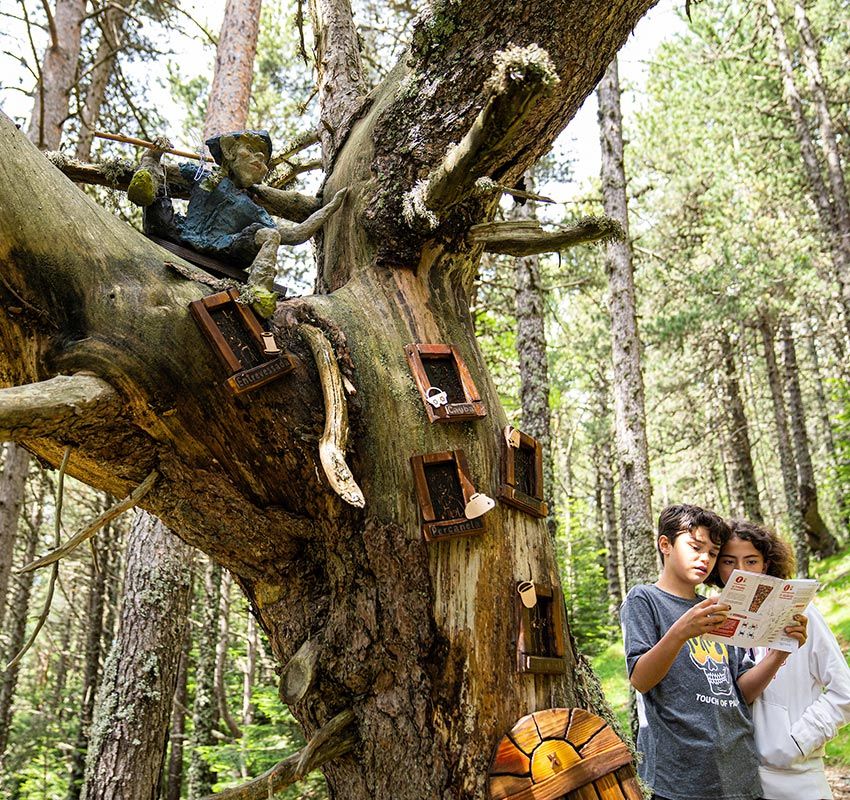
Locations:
(697, 735)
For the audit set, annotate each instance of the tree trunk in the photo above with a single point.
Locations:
(820, 541)
(205, 710)
(230, 93)
(221, 651)
(533, 361)
(130, 728)
(828, 138)
(112, 22)
(57, 74)
(838, 241)
(178, 719)
(13, 484)
(743, 488)
(17, 626)
(610, 531)
(91, 665)
(786, 455)
(641, 563)
(416, 638)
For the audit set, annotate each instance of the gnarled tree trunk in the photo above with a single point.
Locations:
(417, 639)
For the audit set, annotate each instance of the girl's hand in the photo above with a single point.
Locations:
(799, 631)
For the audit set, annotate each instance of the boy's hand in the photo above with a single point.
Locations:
(702, 618)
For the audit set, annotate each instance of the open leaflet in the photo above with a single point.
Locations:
(761, 608)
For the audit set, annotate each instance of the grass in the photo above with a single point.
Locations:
(834, 603)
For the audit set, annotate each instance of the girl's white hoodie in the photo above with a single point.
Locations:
(799, 712)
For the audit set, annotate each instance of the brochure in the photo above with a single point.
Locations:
(761, 608)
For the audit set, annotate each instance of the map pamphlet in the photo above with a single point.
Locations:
(762, 607)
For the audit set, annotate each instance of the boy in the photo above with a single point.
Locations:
(696, 734)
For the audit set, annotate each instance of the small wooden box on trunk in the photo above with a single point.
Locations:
(443, 488)
(541, 632)
(522, 473)
(237, 338)
(444, 382)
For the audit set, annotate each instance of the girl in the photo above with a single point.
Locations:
(809, 699)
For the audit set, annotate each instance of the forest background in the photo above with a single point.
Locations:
(737, 209)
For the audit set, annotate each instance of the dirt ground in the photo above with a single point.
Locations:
(839, 781)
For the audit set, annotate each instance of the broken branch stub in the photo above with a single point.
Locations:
(521, 77)
(527, 237)
(335, 435)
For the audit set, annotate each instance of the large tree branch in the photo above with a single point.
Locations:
(330, 741)
(56, 407)
(528, 238)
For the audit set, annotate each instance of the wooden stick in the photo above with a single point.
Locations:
(87, 531)
(117, 137)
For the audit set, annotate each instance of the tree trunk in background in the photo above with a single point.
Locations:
(13, 484)
(221, 651)
(641, 564)
(820, 541)
(743, 489)
(533, 361)
(839, 245)
(130, 729)
(230, 94)
(828, 138)
(58, 75)
(610, 532)
(91, 666)
(112, 22)
(786, 454)
(17, 627)
(178, 719)
(842, 497)
(205, 709)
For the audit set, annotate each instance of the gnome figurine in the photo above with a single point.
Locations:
(222, 220)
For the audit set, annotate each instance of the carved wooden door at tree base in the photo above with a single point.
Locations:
(562, 753)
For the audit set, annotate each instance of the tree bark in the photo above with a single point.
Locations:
(130, 729)
(533, 359)
(17, 627)
(608, 502)
(13, 484)
(57, 74)
(743, 489)
(641, 563)
(91, 665)
(112, 21)
(416, 638)
(787, 464)
(230, 93)
(177, 734)
(839, 242)
(820, 540)
(205, 709)
(221, 651)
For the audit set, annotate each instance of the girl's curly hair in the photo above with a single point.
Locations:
(778, 555)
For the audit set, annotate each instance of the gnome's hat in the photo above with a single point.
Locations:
(255, 138)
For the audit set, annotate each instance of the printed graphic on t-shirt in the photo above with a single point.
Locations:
(712, 659)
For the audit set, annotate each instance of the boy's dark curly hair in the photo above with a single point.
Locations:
(778, 555)
(683, 518)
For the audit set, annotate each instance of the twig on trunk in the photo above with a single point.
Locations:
(294, 145)
(87, 531)
(54, 574)
(330, 741)
(55, 406)
(527, 237)
(335, 435)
